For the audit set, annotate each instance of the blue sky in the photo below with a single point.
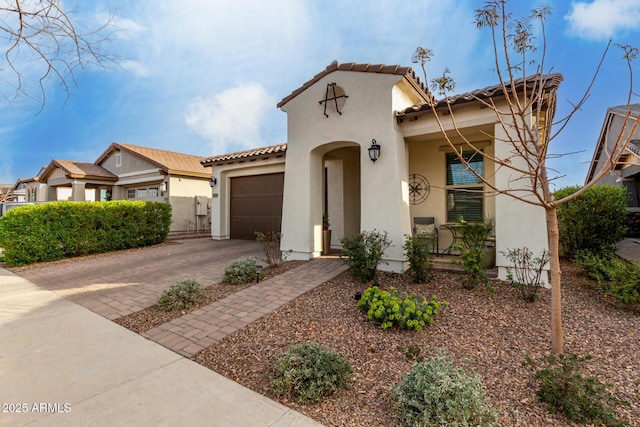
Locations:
(204, 76)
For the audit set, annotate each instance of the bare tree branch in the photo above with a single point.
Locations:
(44, 43)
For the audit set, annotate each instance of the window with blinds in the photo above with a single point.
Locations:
(464, 189)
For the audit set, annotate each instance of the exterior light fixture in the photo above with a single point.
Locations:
(164, 187)
(374, 151)
(258, 272)
(213, 182)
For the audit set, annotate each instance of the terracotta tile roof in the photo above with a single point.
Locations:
(171, 162)
(551, 81)
(73, 169)
(252, 154)
(363, 68)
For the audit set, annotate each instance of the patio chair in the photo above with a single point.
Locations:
(426, 225)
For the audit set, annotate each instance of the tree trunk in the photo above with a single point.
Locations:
(556, 280)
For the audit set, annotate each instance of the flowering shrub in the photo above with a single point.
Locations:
(388, 309)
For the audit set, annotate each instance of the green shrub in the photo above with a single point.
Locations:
(566, 391)
(388, 309)
(594, 221)
(56, 230)
(308, 373)
(181, 295)
(417, 249)
(241, 271)
(473, 251)
(437, 393)
(612, 276)
(527, 271)
(363, 252)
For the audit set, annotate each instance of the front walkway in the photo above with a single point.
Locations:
(189, 334)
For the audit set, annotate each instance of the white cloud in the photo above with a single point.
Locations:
(231, 118)
(602, 19)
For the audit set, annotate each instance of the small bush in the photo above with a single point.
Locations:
(270, 242)
(363, 252)
(473, 251)
(417, 249)
(241, 271)
(437, 393)
(181, 295)
(527, 271)
(566, 391)
(612, 276)
(388, 309)
(594, 221)
(308, 373)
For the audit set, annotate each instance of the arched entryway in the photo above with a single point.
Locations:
(341, 190)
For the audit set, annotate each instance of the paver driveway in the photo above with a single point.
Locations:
(120, 283)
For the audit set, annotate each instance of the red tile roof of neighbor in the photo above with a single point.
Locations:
(250, 154)
(549, 81)
(171, 162)
(363, 68)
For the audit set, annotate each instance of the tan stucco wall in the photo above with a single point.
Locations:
(367, 114)
(130, 164)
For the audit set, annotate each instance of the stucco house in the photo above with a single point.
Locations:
(364, 147)
(132, 172)
(626, 172)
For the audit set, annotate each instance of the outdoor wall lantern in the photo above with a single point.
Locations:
(164, 187)
(258, 272)
(374, 151)
(213, 181)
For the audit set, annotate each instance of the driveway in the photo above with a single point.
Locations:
(116, 284)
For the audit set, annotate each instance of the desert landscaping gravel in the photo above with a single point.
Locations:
(486, 332)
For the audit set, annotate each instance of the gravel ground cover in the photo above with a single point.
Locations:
(489, 333)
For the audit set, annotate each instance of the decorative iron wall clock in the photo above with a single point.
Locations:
(419, 189)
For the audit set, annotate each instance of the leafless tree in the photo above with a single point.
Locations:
(526, 114)
(42, 41)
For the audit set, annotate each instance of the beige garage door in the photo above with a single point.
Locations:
(256, 204)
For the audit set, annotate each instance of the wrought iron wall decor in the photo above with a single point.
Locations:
(331, 96)
(419, 189)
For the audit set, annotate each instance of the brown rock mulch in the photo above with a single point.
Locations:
(144, 320)
(489, 333)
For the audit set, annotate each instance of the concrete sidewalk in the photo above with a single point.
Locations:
(61, 364)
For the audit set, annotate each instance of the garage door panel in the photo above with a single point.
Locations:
(256, 205)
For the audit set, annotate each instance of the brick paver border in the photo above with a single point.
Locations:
(189, 334)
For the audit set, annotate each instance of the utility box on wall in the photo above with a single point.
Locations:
(201, 205)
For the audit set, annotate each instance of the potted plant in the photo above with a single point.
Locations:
(326, 235)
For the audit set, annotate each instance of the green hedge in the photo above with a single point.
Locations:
(593, 222)
(56, 230)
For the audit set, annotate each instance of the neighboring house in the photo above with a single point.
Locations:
(364, 147)
(131, 172)
(17, 193)
(626, 172)
(76, 181)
